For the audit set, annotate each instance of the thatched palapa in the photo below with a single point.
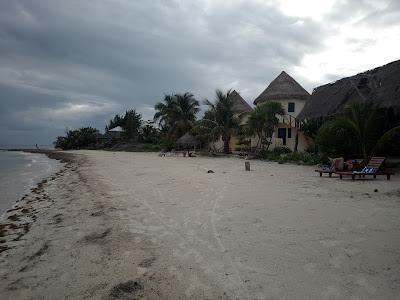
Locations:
(116, 129)
(240, 106)
(380, 86)
(282, 87)
(187, 140)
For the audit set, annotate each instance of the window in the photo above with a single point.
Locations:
(282, 135)
(289, 133)
(290, 107)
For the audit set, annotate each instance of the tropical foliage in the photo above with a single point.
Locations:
(359, 132)
(176, 114)
(131, 125)
(219, 120)
(363, 131)
(263, 121)
(389, 143)
(85, 137)
(337, 138)
(149, 133)
(283, 155)
(131, 122)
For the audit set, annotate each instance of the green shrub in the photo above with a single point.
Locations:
(151, 148)
(282, 156)
(337, 138)
(167, 145)
(82, 138)
(281, 150)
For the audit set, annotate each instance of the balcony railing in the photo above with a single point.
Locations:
(290, 120)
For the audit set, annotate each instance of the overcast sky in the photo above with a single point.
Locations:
(77, 63)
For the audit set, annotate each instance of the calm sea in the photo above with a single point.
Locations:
(20, 171)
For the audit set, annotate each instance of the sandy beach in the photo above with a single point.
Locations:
(115, 225)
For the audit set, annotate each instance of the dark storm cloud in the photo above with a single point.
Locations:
(75, 63)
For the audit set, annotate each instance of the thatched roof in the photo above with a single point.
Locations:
(240, 106)
(187, 139)
(117, 129)
(282, 87)
(380, 86)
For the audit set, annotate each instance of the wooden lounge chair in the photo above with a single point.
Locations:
(335, 164)
(325, 170)
(374, 168)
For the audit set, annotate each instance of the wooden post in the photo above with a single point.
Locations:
(247, 165)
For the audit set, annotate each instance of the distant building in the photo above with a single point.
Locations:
(241, 110)
(115, 132)
(293, 97)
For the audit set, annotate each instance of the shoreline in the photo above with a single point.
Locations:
(70, 229)
(120, 225)
(17, 221)
(62, 158)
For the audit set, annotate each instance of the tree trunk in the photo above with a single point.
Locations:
(227, 149)
(259, 144)
(296, 144)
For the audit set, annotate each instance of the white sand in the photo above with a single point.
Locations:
(277, 232)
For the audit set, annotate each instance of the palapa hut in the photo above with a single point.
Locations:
(242, 110)
(240, 107)
(115, 132)
(187, 141)
(287, 91)
(380, 86)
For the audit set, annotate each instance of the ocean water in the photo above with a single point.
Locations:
(19, 172)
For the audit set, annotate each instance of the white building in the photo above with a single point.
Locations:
(287, 91)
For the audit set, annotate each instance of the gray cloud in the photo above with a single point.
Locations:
(75, 63)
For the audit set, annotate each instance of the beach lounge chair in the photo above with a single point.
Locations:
(374, 168)
(336, 164)
(325, 170)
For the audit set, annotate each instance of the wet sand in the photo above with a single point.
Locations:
(134, 225)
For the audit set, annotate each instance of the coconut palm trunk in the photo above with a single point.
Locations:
(227, 141)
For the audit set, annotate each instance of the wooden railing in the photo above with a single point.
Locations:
(290, 120)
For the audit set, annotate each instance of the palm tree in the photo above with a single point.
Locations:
(220, 119)
(132, 123)
(358, 131)
(165, 112)
(365, 119)
(187, 109)
(262, 122)
(177, 114)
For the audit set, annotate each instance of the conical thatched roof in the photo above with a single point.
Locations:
(187, 139)
(282, 87)
(117, 129)
(380, 86)
(240, 106)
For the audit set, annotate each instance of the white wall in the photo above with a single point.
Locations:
(298, 105)
(290, 142)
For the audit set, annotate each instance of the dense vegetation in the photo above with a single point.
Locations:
(360, 133)
(176, 115)
(219, 120)
(263, 121)
(82, 138)
(363, 131)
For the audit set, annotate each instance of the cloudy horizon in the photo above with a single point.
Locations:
(67, 64)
